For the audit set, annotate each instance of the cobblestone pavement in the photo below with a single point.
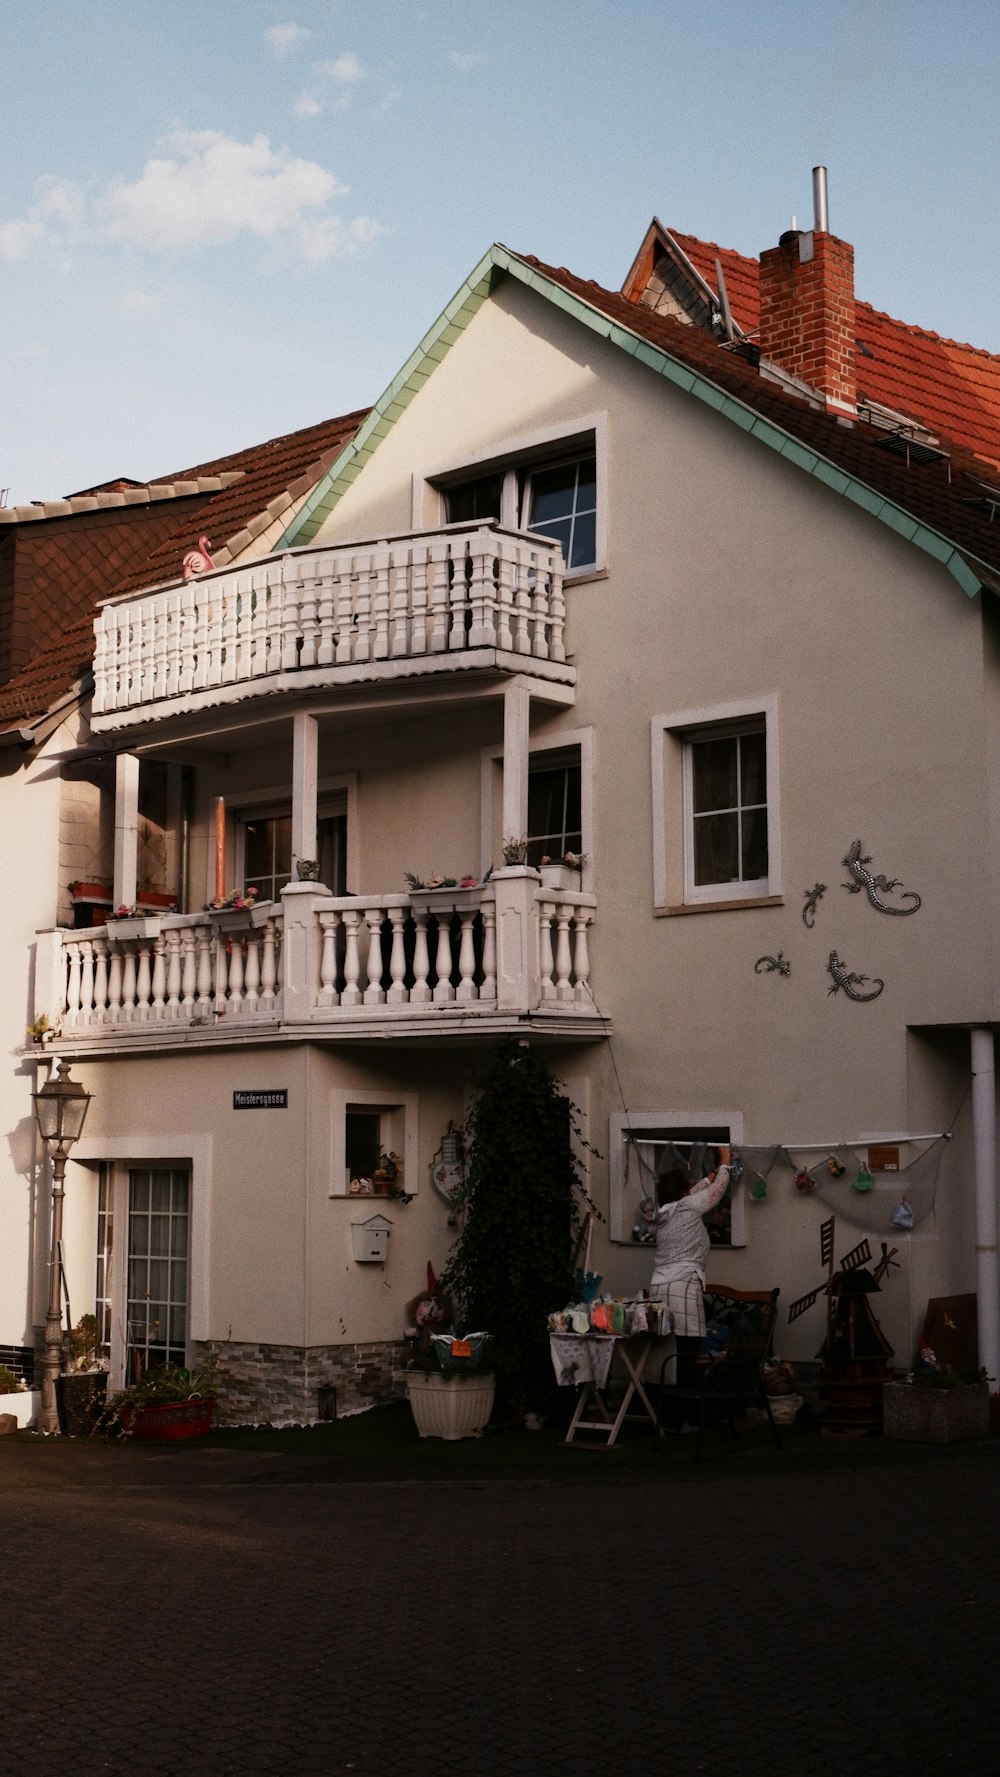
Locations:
(810, 1623)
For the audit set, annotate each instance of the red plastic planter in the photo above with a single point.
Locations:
(170, 1419)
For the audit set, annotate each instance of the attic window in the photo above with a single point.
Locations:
(863, 349)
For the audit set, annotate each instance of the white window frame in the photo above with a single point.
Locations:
(543, 447)
(491, 792)
(400, 1131)
(672, 735)
(621, 1124)
(123, 1152)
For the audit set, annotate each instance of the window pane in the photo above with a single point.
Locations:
(753, 769)
(363, 1142)
(560, 529)
(552, 494)
(714, 763)
(754, 844)
(554, 819)
(583, 550)
(471, 500)
(586, 490)
(716, 850)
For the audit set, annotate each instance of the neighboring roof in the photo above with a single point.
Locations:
(112, 495)
(243, 494)
(270, 478)
(929, 504)
(952, 389)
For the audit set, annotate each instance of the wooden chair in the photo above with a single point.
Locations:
(731, 1381)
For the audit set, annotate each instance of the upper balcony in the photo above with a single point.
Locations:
(420, 604)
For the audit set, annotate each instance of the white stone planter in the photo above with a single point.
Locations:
(138, 925)
(559, 876)
(241, 919)
(450, 1407)
(25, 1406)
(447, 900)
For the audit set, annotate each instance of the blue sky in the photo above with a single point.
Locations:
(223, 219)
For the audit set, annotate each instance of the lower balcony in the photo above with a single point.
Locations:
(472, 963)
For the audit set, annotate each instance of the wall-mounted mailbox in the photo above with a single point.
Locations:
(371, 1240)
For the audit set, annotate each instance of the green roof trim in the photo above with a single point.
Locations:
(498, 263)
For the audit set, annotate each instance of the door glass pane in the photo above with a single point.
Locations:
(468, 501)
(156, 1309)
(554, 818)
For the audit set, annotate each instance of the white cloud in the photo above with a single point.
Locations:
(333, 239)
(56, 217)
(201, 188)
(141, 302)
(282, 39)
(18, 237)
(345, 69)
(214, 188)
(465, 60)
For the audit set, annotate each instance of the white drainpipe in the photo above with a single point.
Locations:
(984, 1141)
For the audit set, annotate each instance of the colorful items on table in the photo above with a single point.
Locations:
(610, 1317)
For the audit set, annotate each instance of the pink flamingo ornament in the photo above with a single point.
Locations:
(198, 561)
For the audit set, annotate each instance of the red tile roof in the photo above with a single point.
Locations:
(935, 494)
(259, 482)
(950, 388)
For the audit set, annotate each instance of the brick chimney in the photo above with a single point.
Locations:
(807, 313)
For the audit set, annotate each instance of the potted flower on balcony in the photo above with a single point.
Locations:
(564, 872)
(132, 922)
(169, 1402)
(458, 894)
(239, 911)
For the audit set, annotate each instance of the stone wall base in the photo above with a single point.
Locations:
(281, 1384)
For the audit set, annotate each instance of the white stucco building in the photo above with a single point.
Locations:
(614, 573)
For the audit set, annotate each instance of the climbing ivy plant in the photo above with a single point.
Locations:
(523, 1200)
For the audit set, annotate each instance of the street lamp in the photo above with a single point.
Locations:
(60, 1110)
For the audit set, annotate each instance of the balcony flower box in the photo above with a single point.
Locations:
(447, 900)
(136, 925)
(241, 919)
(562, 873)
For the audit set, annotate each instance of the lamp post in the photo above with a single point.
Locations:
(60, 1110)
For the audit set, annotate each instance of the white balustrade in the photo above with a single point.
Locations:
(190, 972)
(375, 958)
(334, 607)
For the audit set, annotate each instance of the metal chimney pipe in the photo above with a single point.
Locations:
(821, 217)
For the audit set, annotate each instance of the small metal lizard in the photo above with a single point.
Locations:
(812, 895)
(874, 885)
(844, 978)
(766, 965)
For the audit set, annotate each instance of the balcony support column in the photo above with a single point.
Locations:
(302, 949)
(305, 785)
(516, 732)
(126, 829)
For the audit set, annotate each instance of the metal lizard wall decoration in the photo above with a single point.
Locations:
(766, 965)
(845, 978)
(812, 895)
(874, 885)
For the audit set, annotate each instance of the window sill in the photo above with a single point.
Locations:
(581, 576)
(719, 906)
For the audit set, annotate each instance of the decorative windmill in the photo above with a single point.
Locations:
(855, 1352)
